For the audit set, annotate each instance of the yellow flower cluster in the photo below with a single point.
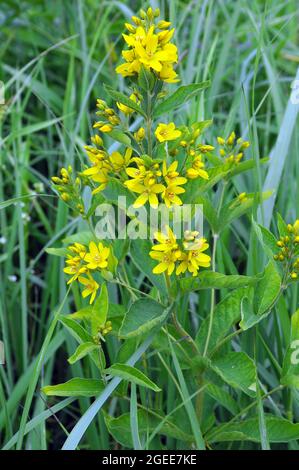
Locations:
(173, 257)
(82, 262)
(232, 148)
(150, 180)
(149, 46)
(69, 188)
(108, 116)
(105, 164)
(289, 249)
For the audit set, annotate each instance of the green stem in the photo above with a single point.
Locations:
(212, 308)
(180, 330)
(215, 240)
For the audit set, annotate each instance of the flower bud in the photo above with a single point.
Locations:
(231, 139)
(163, 24)
(140, 134)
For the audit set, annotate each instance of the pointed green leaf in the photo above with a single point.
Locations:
(121, 98)
(214, 280)
(120, 427)
(142, 316)
(132, 375)
(120, 136)
(81, 351)
(238, 370)
(179, 97)
(278, 429)
(267, 289)
(227, 313)
(75, 387)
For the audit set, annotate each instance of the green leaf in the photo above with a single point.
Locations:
(179, 97)
(132, 375)
(267, 289)
(121, 98)
(226, 314)
(75, 387)
(278, 429)
(76, 330)
(100, 308)
(81, 351)
(235, 209)
(82, 336)
(282, 226)
(208, 211)
(120, 428)
(15, 200)
(238, 370)
(142, 316)
(146, 79)
(290, 368)
(96, 314)
(266, 238)
(258, 303)
(115, 189)
(120, 136)
(84, 237)
(222, 397)
(245, 166)
(214, 280)
(57, 251)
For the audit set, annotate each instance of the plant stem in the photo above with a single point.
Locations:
(149, 124)
(215, 240)
(180, 330)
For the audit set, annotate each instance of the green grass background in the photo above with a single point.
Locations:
(55, 58)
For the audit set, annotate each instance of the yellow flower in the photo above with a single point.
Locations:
(197, 169)
(167, 73)
(171, 175)
(165, 132)
(119, 161)
(148, 192)
(103, 127)
(170, 195)
(97, 256)
(148, 55)
(166, 260)
(296, 227)
(137, 174)
(193, 259)
(129, 68)
(126, 109)
(74, 268)
(166, 252)
(140, 134)
(148, 49)
(167, 241)
(98, 173)
(79, 249)
(163, 24)
(91, 287)
(136, 37)
(231, 138)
